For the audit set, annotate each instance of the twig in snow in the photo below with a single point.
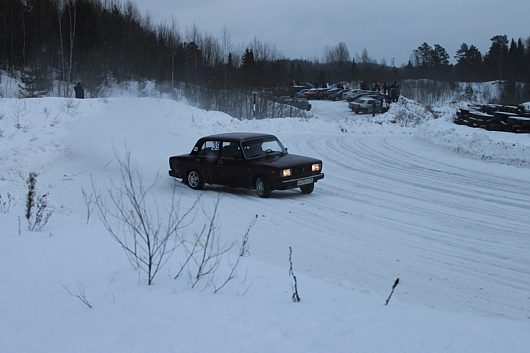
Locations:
(392, 292)
(79, 295)
(295, 297)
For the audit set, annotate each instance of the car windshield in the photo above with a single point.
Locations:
(262, 147)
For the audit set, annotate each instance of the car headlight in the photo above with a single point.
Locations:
(286, 172)
(315, 167)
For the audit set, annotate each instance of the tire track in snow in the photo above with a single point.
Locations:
(464, 229)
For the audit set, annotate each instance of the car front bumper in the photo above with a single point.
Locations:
(297, 182)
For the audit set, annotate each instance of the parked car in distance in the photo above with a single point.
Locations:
(349, 93)
(367, 105)
(334, 94)
(249, 160)
(301, 93)
(362, 93)
(316, 93)
(294, 91)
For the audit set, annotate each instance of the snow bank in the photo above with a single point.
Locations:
(435, 126)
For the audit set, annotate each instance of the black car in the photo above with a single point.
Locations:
(248, 160)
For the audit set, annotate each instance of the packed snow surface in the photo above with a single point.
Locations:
(406, 195)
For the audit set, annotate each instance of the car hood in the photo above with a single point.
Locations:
(285, 161)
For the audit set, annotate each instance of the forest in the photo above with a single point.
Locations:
(97, 41)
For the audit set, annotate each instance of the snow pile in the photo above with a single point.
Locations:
(494, 146)
(31, 134)
(435, 126)
(408, 113)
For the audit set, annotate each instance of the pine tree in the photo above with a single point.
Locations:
(35, 83)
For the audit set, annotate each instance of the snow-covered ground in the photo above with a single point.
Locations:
(443, 207)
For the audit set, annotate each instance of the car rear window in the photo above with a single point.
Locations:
(210, 148)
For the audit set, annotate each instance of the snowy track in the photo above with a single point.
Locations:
(456, 231)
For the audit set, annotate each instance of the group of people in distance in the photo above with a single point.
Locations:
(391, 91)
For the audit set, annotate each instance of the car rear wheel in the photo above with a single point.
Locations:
(307, 189)
(194, 180)
(263, 187)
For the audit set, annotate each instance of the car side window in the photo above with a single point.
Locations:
(209, 148)
(231, 150)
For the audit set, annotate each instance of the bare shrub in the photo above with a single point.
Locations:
(37, 212)
(206, 253)
(205, 256)
(90, 200)
(78, 294)
(147, 236)
(30, 197)
(243, 251)
(5, 203)
(244, 248)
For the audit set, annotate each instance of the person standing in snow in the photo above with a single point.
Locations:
(79, 91)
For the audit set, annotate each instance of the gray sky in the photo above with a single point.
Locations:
(386, 28)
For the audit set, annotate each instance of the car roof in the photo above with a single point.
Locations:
(236, 136)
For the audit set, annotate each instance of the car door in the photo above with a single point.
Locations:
(230, 165)
(206, 160)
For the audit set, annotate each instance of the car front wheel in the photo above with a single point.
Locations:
(194, 180)
(263, 188)
(307, 189)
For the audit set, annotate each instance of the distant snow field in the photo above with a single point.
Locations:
(407, 194)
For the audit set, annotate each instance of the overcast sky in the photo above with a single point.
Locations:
(386, 28)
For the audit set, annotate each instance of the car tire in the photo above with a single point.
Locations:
(307, 189)
(263, 187)
(194, 180)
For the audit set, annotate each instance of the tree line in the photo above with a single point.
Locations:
(505, 60)
(97, 41)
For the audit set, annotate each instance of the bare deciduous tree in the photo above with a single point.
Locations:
(337, 54)
(72, 20)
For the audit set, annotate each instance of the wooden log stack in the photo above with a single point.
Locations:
(495, 117)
